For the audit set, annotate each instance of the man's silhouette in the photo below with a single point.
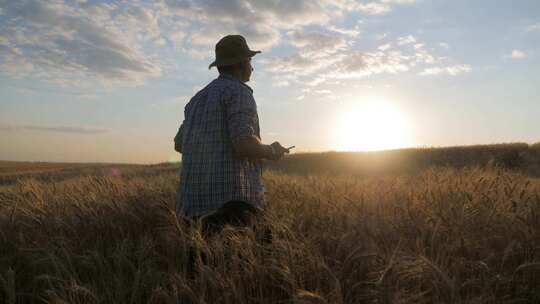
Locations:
(221, 146)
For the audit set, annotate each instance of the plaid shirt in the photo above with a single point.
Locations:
(219, 115)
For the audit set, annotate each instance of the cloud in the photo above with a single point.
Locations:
(323, 92)
(518, 54)
(347, 63)
(449, 70)
(260, 21)
(316, 42)
(260, 37)
(373, 7)
(444, 45)
(60, 42)
(293, 12)
(406, 40)
(296, 64)
(177, 38)
(422, 55)
(534, 27)
(280, 83)
(33, 90)
(377, 7)
(54, 129)
(359, 64)
(385, 47)
(354, 64)
(348, 32)
(283, 13)
(87, 42)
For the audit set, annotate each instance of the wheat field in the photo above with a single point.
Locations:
(439, 235)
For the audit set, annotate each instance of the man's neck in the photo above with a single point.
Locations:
(235, 75)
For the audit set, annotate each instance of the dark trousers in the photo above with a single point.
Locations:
(234, 213)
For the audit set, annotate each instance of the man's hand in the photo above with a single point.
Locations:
(251, 147)
(279, 150)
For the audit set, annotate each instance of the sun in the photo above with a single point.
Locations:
(370, 126)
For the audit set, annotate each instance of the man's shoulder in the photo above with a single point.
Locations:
(232, 84)
(225, 89)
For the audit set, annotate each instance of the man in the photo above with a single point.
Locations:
(221, 144)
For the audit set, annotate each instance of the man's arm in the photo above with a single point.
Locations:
(178, 139)
(241, 115)
(252, 147)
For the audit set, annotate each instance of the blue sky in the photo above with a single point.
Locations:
(107, 81)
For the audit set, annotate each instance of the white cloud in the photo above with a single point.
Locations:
(449, 70)
(385, 47)
(346, 63)
(280, 83)
(348, 32)
(262, 22)
(518, 54)
(317, 42)
(259, 37)
(177, 38)
(406, 40)
(444, 45)
(381, 36)
(55, 129)
(534, 28)
(422, 55)
(258, 20)
(374, 8)
(296, 64)
(70, 43)
(292, 12)
(323, 92)
(359, 64)
(352, 64)
(62, 43)
(312, 69)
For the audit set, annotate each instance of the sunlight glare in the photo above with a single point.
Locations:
(371, 126)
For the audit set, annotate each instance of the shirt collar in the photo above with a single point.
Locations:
(230, 77)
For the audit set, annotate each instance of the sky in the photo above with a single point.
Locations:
(107, 81)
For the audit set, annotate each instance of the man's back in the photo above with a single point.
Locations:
(217, 116)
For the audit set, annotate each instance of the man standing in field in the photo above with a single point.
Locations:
(221, 144)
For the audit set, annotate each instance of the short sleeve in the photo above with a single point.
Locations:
(241, 114)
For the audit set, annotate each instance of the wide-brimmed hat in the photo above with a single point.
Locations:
(231, 49)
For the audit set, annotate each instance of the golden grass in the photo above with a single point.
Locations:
(466, 235)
